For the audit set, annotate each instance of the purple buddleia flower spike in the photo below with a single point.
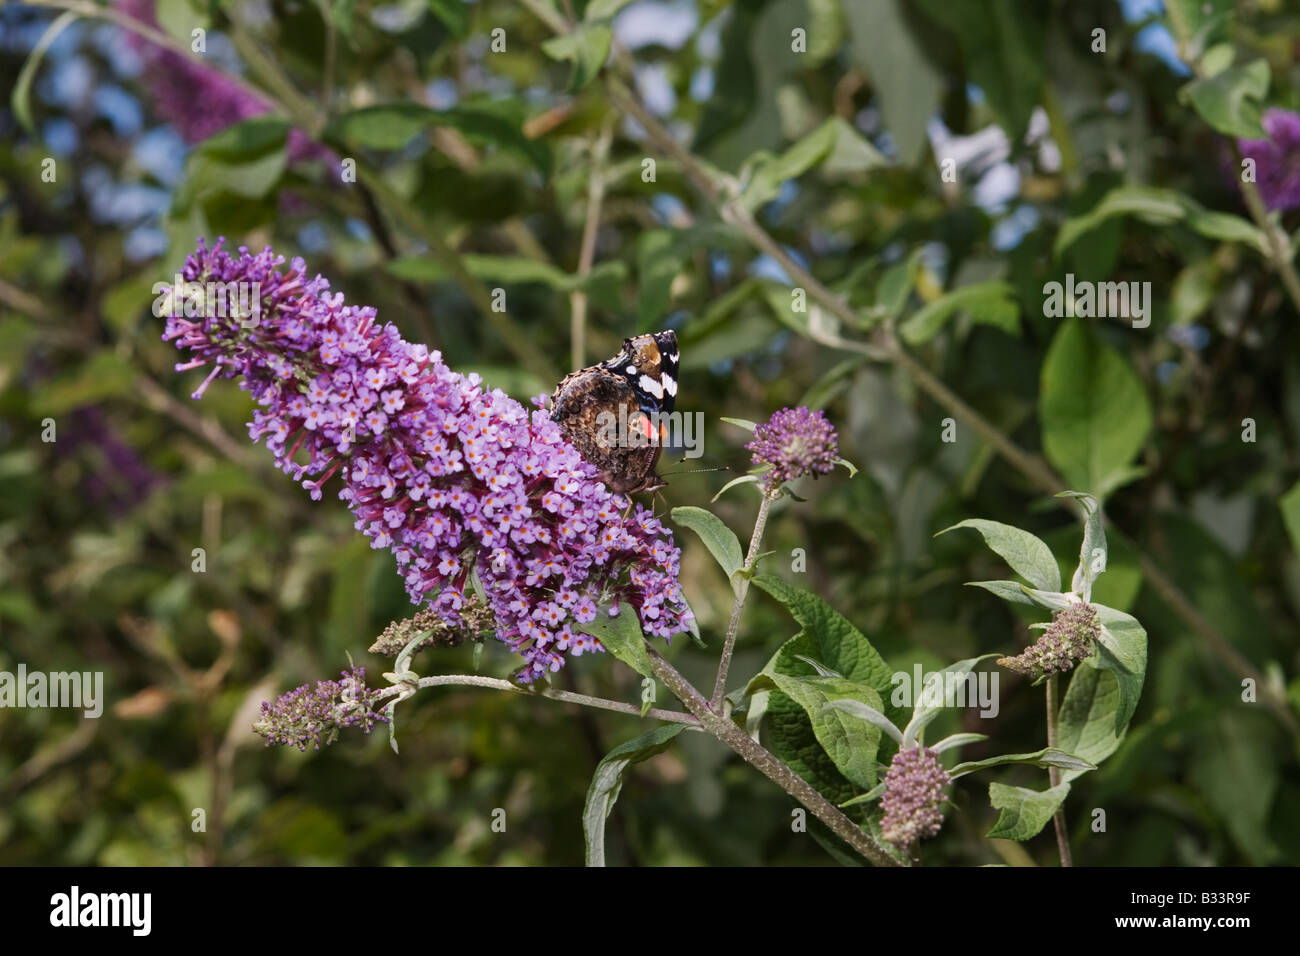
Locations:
(448, 476)
(198, 101)
(792, 443)
(1277, 159)
(314, 716)
(913, 798)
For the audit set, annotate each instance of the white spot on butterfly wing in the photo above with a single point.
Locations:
(670, 385)
(650, 386)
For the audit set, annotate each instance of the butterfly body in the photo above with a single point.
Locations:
(612, 412)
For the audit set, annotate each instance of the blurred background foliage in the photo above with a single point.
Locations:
(97, 528)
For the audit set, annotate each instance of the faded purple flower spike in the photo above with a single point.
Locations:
(1065, 642)
(451, 478)
(1277, 159)
(913, 798)
(314, 716)
(198, 101)
(794, 442)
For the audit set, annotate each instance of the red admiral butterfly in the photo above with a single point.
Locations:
(609, 411)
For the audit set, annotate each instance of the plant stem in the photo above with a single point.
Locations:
(741, 585)
(1054, 777)
(568, 697)
(587, 253)
(769, 764)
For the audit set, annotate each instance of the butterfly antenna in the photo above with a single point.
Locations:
(698, 471)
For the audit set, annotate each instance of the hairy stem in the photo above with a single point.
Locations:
(568, 697)
(1054, 777)
(742, 589)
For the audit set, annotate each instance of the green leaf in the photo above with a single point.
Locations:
(827, 637)
(1093, 552)
(453, 14)
(390, 127)
(246, 161)
(587, 48)
(740, 423)
(622, 637)
(1086, 721)
(1012, 591)
(742, 480)
(851, 152)
(341, 13)
(1017, 593)
(953, 741)
(1160, 207)
(1003, 46)
(834, 141)
(906, 84)
(1024, 812)
(993, 301)
(1047, 757)
(1124, 653)
(834, 642)
(923, 713)
(848, 739)
(717, 537)
(875, 793)
(896, 285)
(1094, 411)
(869, 713)
(607, 781)
(1026, 553)
(248, 138)
(1232, 101)
(20, 100)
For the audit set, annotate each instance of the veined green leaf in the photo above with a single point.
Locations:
(993, 301)
(848, 738)
(1232, 101)
(923, 713)
(587, 48)
(1124, 652)
(1047, 757)
(1094, 410)
(717, 537)
(1024, 812)
(1026, 553)
(622, 637)
(1160, 207)
(607, 781)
